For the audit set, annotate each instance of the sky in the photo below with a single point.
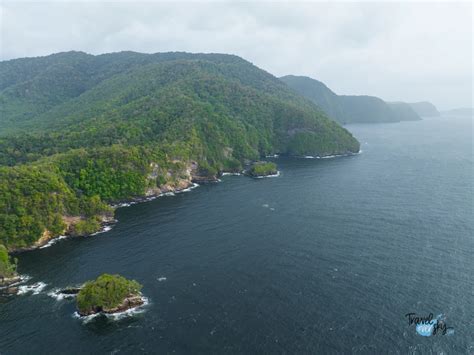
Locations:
(399, 51)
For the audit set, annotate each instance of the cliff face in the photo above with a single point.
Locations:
(182, 176)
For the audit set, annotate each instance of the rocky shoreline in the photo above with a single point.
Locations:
(47, 239)
(6, 282)
(193, 178)
(130, 302)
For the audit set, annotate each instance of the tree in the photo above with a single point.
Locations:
(105, 293)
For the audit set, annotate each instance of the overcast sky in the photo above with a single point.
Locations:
(397, 51)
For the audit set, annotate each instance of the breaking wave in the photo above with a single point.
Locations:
(35, 288)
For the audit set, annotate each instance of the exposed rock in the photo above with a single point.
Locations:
(199, 179)
(70, 220)
(45, 237)
(6, 282)
(10, 290)
(153, 191)
(129, 302)
(227, 151)
(69, 291)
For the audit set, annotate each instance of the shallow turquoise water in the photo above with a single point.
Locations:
(326, 258)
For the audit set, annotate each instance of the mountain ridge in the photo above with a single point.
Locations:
(89, 131)
(349, 108)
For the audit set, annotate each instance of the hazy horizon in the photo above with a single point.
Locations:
(395, 51)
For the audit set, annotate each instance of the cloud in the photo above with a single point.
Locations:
(398, 51)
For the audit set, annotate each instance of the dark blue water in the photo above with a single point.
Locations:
(326, 258)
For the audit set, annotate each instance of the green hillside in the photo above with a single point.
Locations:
(79, 131)
(348, 108)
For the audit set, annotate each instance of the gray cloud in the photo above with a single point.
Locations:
(398, 51)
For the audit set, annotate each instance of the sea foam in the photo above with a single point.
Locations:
(35, 288)
(53, 241)
(268, 176)
(58, 296)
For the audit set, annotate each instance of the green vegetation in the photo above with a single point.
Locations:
(348, 108)
(34, 198)
(7, 265)
(263, 168)
(129, 122)
(105, 293)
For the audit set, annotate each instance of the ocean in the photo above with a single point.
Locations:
(329, 257)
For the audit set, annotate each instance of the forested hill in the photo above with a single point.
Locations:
(79, 131)
(349, 108)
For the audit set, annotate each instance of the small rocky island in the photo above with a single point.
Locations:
(8, 274)
(262, 168)
(108, 294)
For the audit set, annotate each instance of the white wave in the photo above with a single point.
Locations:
(129, 312)
(56, 294)
(124, 204)
(119, 205)
(154, 197)
(161, 278)
(192, 187)
(231, 174)
(115, 316)
(340, 155)
(103, 230)
(53, 241)
(85, 319)
(265, 205)
(272, 156)
(23, 279)
(268, 176)
(35, 289)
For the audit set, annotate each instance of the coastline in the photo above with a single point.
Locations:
(183, 185)
(119, 314)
